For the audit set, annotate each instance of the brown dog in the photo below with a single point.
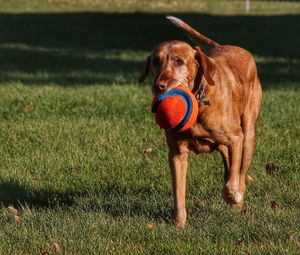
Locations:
(224, 80)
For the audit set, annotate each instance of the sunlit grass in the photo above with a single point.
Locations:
(76, 162)
(224, 7)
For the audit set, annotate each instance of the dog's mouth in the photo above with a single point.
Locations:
(171, 85)
(157, 91)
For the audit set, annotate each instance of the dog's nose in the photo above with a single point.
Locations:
(161, 86)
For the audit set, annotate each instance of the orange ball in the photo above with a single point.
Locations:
(176, 109)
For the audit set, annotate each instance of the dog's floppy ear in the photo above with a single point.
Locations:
(206, 66)
(146, 70)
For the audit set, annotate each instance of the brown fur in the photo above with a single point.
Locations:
(226, 124)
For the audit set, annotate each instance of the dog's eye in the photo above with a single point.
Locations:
(179, 62)
(156, 62)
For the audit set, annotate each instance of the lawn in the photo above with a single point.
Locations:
(83, 167)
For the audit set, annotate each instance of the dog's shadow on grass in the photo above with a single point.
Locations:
(14, 193)
(114, 203)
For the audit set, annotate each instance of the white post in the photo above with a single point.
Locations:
(247, 6)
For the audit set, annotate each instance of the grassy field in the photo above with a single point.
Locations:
(83, 167)
(224, 7)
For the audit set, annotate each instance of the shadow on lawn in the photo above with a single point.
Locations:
(16, 194)
(87, 48)
(111, 199)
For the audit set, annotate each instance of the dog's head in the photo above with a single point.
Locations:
(175, 63)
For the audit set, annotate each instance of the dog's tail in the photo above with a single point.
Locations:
(201, 40)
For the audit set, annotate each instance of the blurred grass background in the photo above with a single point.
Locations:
(224, 7)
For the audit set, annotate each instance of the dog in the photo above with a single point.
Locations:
(225, 82)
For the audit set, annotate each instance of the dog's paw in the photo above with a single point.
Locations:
(180, 218)
(237, 197)
(180, 224)
(233, 196)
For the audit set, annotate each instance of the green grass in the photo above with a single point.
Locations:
(224, 7)
(75, 126)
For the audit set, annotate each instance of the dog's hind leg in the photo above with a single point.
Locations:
(224, 152)
(249, 119)
(231, 191)
(248, 150)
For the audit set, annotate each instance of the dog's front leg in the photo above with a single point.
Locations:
(178, 165)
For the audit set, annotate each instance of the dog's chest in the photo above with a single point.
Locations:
(201, 145)
(201, 140)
